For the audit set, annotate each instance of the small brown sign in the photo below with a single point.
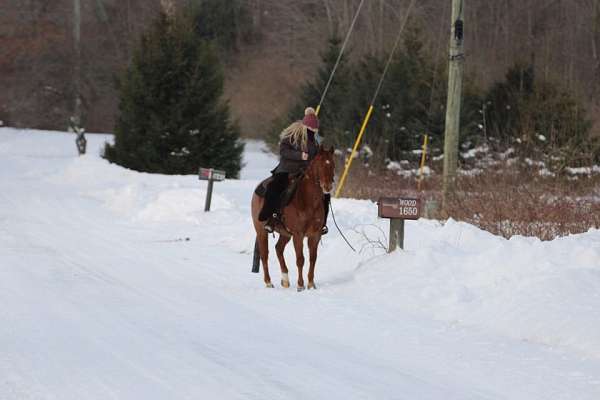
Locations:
(399, 208)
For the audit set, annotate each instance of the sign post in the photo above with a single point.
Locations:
(210, 175)
(398, 210)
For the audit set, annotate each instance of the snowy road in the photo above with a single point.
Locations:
(101, 296)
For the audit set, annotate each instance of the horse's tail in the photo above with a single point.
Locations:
(256, 258)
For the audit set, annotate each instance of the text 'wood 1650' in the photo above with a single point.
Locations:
(399, 208)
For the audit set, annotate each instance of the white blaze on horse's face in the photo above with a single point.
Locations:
(326, 178)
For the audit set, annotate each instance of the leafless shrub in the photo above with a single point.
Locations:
(518, 203)
(505, 201)
(368, 242)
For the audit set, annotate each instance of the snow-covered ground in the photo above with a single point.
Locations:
(102, 296)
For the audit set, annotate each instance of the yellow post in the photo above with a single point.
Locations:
(423, 157)
(349, 162)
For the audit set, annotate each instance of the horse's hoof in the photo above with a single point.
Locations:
(269, 285)
(311, 285)
(300, 288)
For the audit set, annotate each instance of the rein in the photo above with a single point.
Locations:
(306, 174)
(338, 228)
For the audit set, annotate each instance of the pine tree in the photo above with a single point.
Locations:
(334, 110)
(401, 113)
(411, 102)
(171, 116)
(539, 116)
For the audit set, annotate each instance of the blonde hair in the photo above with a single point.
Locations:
(296, 134)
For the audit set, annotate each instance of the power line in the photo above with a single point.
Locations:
(342, 50)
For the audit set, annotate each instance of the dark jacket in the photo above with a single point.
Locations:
(290, 160)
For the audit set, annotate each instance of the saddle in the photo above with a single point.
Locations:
(288, 194)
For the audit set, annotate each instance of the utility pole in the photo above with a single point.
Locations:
(77, 71)
(455, 77)
(75, 119)
(596, 49)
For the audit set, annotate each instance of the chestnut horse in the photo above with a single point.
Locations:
(302, 218)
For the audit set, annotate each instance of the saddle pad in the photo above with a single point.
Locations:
(287, 195)
(261, 189)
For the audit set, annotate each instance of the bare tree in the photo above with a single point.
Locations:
(37, 52)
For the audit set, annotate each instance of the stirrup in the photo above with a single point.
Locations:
(268, 227)
(324, 230)
(271, 222)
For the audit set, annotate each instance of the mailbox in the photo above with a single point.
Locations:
(211, 175)
(399, 208)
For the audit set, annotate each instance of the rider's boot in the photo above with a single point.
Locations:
(271, 208)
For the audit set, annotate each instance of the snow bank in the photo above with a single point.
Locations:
(543, 292)
(103, 296)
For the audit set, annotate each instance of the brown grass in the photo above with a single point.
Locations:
(507, 202)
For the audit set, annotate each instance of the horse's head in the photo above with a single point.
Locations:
(324, 167)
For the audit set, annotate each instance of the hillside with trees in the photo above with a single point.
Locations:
(272, 47)
(532, 68)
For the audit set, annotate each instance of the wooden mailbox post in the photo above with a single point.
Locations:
(398, 210)
(210, 175)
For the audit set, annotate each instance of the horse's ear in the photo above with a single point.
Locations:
(331, 150)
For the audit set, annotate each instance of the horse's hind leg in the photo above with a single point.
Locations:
(313, 245)
(280, 247)
(263, 247)
(298, 246)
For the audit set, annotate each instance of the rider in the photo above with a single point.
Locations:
(298, 145)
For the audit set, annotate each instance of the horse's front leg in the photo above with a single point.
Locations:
(298, 246)
(280, 247)
(313, 245)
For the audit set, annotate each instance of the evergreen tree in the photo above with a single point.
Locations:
(334, 110)
(171, 116)
(507, 101)
(406, 97)
(411, 102)
(405, 109)
(538, 116)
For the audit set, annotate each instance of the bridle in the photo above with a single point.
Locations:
(312, 175)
